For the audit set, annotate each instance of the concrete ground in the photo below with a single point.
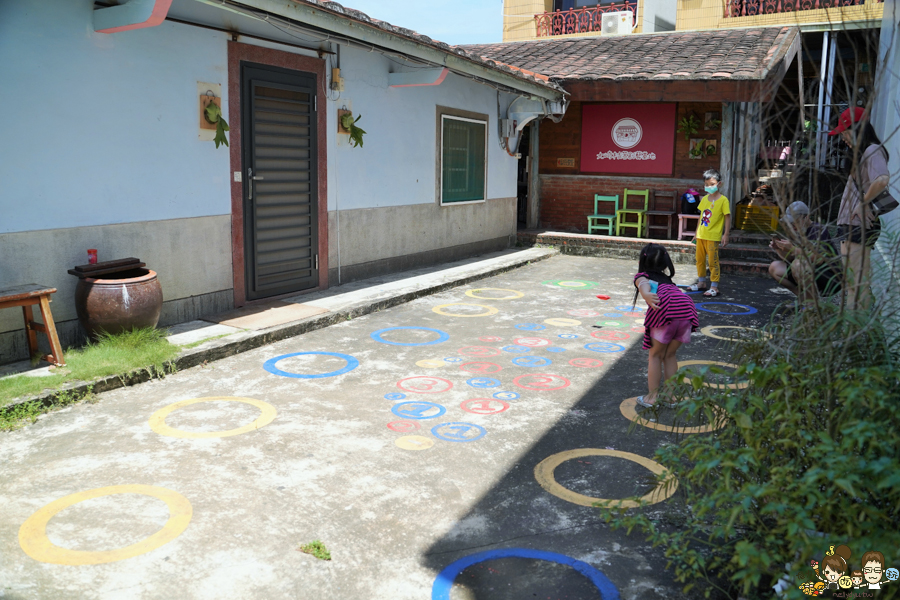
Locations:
(416, 457)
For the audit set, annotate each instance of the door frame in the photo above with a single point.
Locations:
(238, 53)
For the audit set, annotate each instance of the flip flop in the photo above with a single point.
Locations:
(712, 292)
(640, 402)
(696, 288)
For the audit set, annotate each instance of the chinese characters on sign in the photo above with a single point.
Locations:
(628, 138)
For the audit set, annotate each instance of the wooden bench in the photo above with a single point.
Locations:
(27, 296)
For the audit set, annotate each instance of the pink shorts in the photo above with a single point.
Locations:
(676, 330)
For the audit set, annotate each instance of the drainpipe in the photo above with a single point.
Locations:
(134, 14)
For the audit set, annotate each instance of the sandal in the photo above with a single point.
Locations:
(712, 292)
(640, 402)
(696, 288)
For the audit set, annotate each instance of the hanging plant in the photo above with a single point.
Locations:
(213, 114)
(688, 126)
(356, 133)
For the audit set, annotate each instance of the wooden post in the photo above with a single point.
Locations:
(726, 154)
(533, 213)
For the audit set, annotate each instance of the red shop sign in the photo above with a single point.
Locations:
(628, 138)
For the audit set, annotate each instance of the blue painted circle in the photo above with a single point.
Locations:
(459, 428)
(506, 396)
(269, 365)
(750, 310)
(394, 396)
(483, 382)
(555, 349)
(454, 359)
(531, 361)
(516, 349)
(444, 581)
(530, 326)
(604, 347)
(443, 336)
(612, 315)
(630, 309)
(416, 409)
(568, 336)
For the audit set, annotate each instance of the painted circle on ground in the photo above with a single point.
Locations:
(556, 349)
(506, 396)
(634, 315)
(378, 336)
(542, 382)
(478, 351)
(418, 410)
(612, 315)
(394, 396)
(571, 284)
(490, 338)
(481, 367)
(639, 321)
(269, 365)
(543, 472)
(628, 408)
(530, 326)
(719, 386)
(515, 294)
(414, 442)
(458, 431)
(443, 584)
(638, 329)
(422, 384)
(626, 308)
(33, 532)
(708, 332)
(610, 324)
(749, 309)
(431, 363)
(586, 363)
(483, 382)
(532, 342)
(613, 336)
(454, 359)
(488, 310)
(516, 349)
(484, 406)
(604, 347)
(403, 426)
(158, 419)
(531, 361)
(568, 336)
(583, 312)
(562, 322)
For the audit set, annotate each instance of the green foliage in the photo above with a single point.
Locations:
(688, 125)
(317, 549)
(356, 133)
(810, 447)
(213, 114)
(27, 413)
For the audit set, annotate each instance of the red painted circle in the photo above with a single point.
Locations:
(635, 315)
(480, 367)
(586, 363)
(541, 382)
(403, 426)
(583, 312)
(490, 338)
(610, 335)
(484, 406)
(478, 351)
(638, 329)
(424, 385)
(531, 342)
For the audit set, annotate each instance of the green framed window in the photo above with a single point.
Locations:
(463, 159)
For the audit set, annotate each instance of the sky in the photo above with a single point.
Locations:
(451, 21)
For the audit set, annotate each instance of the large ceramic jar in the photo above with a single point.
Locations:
(119, 302)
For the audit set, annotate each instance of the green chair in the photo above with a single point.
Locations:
(594, 219)
(641, 223)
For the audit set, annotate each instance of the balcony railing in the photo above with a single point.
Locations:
(580, 20)
(749, 8)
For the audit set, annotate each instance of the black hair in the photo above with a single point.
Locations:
(868, 137)
(655, 262)
(712, 174)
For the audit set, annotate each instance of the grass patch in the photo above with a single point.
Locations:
(317, 549)
(27, 413)
(139, 349)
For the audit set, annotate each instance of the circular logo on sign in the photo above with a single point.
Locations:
(626, 133)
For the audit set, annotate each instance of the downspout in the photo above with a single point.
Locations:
(135, 14)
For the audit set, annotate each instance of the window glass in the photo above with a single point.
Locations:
(462, 160)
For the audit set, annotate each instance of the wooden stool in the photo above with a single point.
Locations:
(682, 232)
(27, 296)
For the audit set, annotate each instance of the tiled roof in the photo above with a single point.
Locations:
(489, 63)
(727, 54)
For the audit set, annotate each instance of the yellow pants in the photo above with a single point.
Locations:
(708, 249)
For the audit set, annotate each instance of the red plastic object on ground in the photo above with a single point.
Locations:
(603, 296)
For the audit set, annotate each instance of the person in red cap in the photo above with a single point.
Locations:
(858, 225)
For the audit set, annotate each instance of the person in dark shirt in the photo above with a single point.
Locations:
(809, 264)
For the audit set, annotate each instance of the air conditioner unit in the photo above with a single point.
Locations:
(617, 23)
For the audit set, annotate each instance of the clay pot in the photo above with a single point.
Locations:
(119, 302)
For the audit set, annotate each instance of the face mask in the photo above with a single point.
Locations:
(711, 189)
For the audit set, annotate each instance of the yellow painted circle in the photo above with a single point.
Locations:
(472, 294)
(563, 322)
(638, 321)
(33, 533)
(543, 472)
(158, 419)
(628, 409)
(430, 363)
(414, 442)
(708, 331)
(719, 386)
(489, 310)
(572, 284)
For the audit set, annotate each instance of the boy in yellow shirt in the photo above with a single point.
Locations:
(712, 232)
